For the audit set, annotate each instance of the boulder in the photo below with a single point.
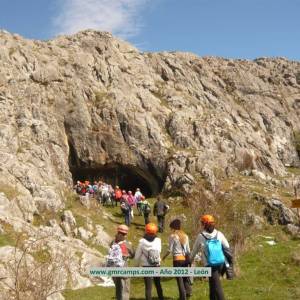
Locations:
(68, 217)
(84, 234)
(259, 175)
(276, 212)
(85, 201)
(101, 238)
(293, 230)
(255, 220)
(209, 176)
(68, 223)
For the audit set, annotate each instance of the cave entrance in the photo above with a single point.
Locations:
(127, 177)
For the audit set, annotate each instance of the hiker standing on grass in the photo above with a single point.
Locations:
(145, 209)
(95, 188)
(148, 255)
(119, 254)
(117, 194)
(213, 244)
(138, 197)
(78, 187)
(124, 195)
(180, 249)
(126, 210)
(131, 202)
(160, 209)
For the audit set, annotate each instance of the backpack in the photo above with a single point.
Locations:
(115, 256)
(147, 209)
(153, 257)
(124, 207)
(214, 250)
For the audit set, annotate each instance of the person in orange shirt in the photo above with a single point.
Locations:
(118, 195)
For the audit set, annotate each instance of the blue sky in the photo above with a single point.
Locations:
(228, 28)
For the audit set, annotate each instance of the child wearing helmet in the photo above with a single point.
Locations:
(148, 255)
(212, 239)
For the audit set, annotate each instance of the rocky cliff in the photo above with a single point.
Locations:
(92, 106)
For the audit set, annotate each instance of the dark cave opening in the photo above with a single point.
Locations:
(127, 177)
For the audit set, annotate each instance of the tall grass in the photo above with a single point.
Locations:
(231, 215)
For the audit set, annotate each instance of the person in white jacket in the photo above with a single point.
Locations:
(208, 234)
(148, 255)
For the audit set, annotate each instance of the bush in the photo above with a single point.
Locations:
(231, 215)
(32, 273)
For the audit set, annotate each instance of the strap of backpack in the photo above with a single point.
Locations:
(216, 236)
(182, 246)
(204, 236)
(183, 249)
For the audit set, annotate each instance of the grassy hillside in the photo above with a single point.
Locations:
(264, 271)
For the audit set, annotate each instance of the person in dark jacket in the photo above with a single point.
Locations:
(126, 210)
(160, 209)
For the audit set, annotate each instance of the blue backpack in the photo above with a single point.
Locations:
(214, 250)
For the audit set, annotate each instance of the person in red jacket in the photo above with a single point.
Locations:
(118, 195)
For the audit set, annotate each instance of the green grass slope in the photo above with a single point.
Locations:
(265, 271)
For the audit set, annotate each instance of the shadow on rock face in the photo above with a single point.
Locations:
(127, 177)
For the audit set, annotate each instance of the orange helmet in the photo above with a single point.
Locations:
(207, 219)
(123, 229)
(151, 229)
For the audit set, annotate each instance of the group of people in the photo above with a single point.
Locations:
(160, 209)
(95, 189)
(106, 194)
(149, 249)
(214, 248)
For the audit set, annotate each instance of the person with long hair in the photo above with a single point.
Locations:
(180, 249)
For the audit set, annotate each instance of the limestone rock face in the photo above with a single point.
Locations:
(101, 238)
(93, 104)
(276, 211)
(68, 223)
(90, 105)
